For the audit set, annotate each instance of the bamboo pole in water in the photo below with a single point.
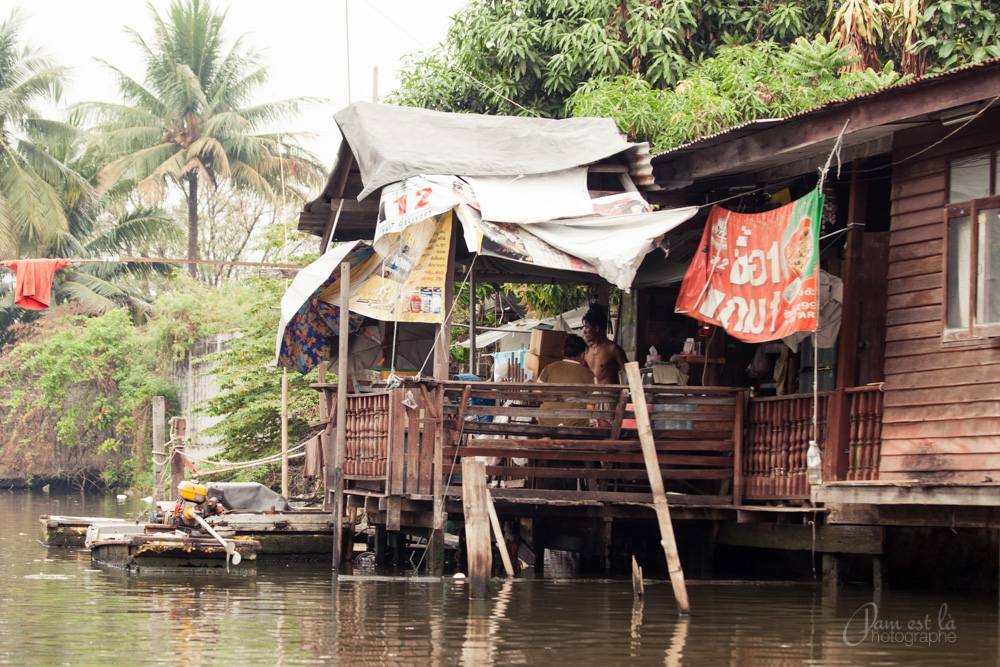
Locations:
(656, 485)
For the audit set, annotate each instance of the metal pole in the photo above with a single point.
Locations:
(342, 384)
(347, 47)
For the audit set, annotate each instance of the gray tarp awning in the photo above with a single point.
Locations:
(392, 143)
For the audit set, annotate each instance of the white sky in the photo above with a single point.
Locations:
(303, 42)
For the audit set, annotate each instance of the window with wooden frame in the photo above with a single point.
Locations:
(972, 249)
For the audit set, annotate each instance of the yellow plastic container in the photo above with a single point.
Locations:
(192, 491)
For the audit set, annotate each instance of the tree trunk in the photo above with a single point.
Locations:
(193, 223)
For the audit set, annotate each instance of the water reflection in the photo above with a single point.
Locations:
(56, 609)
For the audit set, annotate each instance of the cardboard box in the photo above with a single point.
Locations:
(547, 343)
(536, 362)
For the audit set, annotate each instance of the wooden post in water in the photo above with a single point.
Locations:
(475, 500)
(656, 485)
(159, 456)
(442, 358)
(342, 382)
(178, 429)
(638, 588)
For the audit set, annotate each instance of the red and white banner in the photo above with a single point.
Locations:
(754, 274)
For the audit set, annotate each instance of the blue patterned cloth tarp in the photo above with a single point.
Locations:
(309, 336)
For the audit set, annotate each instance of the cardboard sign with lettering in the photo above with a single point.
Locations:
(754, 274)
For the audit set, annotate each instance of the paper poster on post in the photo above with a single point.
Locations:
(754, 274)
(409, 284)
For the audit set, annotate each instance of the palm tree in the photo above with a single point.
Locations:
(192, 122)
(100, 222)
(30, 179)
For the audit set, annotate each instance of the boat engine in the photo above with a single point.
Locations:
(193, 501)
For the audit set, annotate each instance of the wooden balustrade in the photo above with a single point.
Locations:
(367, 436)
(778, 432)
(865, 433)
(391, 438)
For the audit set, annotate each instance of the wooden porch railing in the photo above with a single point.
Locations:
(708, 440)
(391, 437)
(865, 434)
(779, 429)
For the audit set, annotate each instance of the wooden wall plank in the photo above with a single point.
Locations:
(913, 331)
(948, 411)
(905, 348)
(914, 283)
(917, 219)
(924, 266)
(943, 476)
(927, 297)
(944, 378)
(952, 358)
(941, 395)
(954, 428)
(930, 248)
(940, 462)
(930, 231)
(913, 315)
(922, 202)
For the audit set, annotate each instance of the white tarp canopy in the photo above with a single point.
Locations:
(392, 143)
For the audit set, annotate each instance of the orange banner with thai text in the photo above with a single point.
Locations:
(754, 274)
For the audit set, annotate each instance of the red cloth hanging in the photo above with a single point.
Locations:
(34, 281)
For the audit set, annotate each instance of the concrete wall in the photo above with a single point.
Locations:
(197, 386)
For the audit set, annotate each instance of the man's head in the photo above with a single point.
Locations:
(573, 346)
(595, 323)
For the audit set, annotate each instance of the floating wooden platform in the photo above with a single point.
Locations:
(283, 536)
(300, 535)
(171, 552)
(71, 531)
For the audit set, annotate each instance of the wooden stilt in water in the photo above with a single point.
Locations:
(498, 533)
(475, 502)
(656, 485)
(337, 492)
(638, 588)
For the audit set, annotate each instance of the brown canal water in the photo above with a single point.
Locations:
(55, 609)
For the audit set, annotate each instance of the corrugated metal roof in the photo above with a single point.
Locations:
(757, 125)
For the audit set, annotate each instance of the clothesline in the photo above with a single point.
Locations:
(158, 260)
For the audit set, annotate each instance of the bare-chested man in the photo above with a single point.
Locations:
(604, 358)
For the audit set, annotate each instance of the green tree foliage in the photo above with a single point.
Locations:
(75, 395)
(741, 83)
(31, 210)
(100, 222)
(193, 120)
(250, 387)
(529, 56)
(76, 390)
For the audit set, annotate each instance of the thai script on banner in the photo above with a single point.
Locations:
(755, 274)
